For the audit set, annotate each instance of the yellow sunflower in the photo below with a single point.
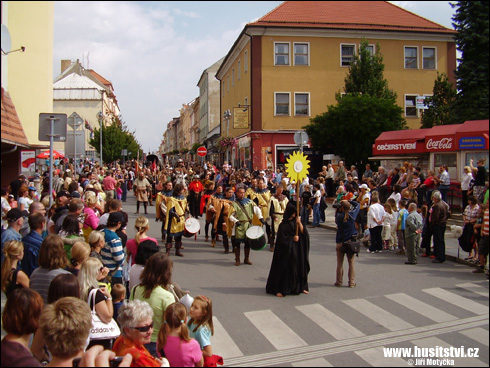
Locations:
(297, 166)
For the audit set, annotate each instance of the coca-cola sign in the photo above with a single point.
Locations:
(443, 144)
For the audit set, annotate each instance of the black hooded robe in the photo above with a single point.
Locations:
(290, 262)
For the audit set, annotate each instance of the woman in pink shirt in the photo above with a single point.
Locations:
(142, 226)
(91, 221)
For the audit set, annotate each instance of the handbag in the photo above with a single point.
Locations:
(101, 330)
(351, 247)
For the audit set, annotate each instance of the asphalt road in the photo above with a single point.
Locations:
(435, 306)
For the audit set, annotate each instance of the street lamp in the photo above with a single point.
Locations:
(100, 116)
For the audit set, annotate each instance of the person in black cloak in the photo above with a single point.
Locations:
(290, 263)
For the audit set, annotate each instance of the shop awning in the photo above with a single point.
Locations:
(397, 142)
(473, 135)
(441, 138)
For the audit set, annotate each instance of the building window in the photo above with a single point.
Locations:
(233, 77)
(282, 104)
(246, 101)
(245, 62)
(224, 87)
(281, 53)
(301, 104)
(411, 58)
(429, 57)
(228, 83)
(410, 106)
(301, 54)
(347, 54)
(238, 70)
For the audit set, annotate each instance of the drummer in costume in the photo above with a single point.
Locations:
(209, 215)
(194, 198)
(263, 199)
(175, 219)
(220, 207)
(161, 204)
(243, 209)
(277, 207)
(250, 192)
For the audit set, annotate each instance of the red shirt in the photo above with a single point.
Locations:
(141, 356)
(109, 183)
(196, 186)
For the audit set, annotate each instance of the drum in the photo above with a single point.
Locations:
(191, 227)
(256, 237)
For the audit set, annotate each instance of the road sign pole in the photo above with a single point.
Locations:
(51, 139)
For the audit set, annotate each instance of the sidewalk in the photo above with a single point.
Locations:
(453, 251)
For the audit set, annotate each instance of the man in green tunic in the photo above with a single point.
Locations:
(241, 217)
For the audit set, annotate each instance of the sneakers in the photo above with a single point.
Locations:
(432, 257)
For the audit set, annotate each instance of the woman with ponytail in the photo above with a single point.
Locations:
(12, 278)
(142, 226)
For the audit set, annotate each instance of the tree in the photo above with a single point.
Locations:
(365, 74)
(369, 108)
(440, 103)
(350, 128)
(115, 138)
(471, 22)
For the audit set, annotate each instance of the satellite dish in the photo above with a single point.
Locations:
(6, 41)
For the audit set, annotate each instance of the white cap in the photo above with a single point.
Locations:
(364, 186)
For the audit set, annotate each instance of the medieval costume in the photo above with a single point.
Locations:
(290, 263)
(241, 215)
(175, 222)
(220, 207)
(194, 197)
(161, 208)
(142, 189)
(263, 200)
(278, 205)
(203, 209)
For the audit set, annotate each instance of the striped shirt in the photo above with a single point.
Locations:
(112, 253)
(485, 225)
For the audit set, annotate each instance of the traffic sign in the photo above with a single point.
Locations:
(202, 151)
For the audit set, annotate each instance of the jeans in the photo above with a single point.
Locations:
(340, 266)
(304, 215)
(316, 215)
(443, 189)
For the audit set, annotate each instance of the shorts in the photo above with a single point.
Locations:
(483, 246)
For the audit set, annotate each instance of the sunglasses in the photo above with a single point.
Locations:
(144, 328)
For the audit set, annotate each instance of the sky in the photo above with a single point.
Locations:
(154, 52)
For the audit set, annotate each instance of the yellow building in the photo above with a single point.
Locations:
(285, 69)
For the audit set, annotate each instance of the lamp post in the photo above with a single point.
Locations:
(100, 116)
(227, 116)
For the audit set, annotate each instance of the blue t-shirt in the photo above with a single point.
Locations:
(202, 335)
(402, 217)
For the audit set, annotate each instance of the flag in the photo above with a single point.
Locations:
(137, 168)
(154, 166)
(88, 126)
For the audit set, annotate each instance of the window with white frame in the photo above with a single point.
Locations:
(238, 70)
(245, 62)
(347, 54)
(301, 104)
(411, 106)
(281, 53)
(411, 57)
(429, 58)
(301, 54)
(371, 49)
(281, 104)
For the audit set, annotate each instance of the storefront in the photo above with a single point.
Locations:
(451, 145)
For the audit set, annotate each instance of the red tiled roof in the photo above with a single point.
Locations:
(368, 15)
(100, 78)
(11, 127)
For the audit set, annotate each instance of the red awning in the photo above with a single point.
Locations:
(473, 135)
(407, 141)
(441, 138)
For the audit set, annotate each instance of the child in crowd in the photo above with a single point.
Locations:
(386, 232)
(394, 222)
(400, 228)
(174, 342)
(340, 191)
(118, 293)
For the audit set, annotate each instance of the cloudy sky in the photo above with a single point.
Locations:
(154, 52)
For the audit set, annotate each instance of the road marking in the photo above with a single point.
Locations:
(222, 342)
(458, 301)
(377, 314)
(422, 308)
(375, 357)
(319, 362)
(330, 322)
(275, 330)
(477, 289)
(434, 342)
(478, 334)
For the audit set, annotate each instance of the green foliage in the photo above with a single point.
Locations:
(115, 138)
(472, 23)
(350, 128)
(440, 103)
(365, 74)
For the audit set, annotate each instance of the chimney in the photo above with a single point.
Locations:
(65, 64)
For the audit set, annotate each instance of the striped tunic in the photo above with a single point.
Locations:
(112, 253)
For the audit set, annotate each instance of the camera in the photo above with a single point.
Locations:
(337, 205)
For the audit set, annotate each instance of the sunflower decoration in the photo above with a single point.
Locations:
(297, 166)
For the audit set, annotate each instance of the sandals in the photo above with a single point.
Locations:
(352, 285)
(337, 284)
